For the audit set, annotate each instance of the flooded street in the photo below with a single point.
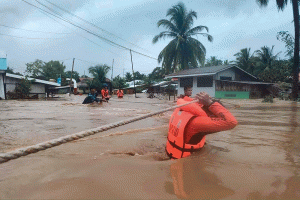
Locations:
(258, 159)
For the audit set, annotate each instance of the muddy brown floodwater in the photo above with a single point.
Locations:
(259, 159)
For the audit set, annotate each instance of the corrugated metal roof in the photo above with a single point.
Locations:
(247, 82)
(36, 80)
(204, 71)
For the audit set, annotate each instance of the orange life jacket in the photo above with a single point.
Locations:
(104, 94)
(120, 93)
(176, 146)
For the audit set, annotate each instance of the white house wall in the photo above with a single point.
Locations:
(208, 90)
(36, 88)
(2, 94)
(11, 84)
(227, 73)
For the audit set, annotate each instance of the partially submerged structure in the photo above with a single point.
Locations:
(39, 88)
(223, 81)
(8, 83)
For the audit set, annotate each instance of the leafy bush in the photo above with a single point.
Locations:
(268, 99)
(22, 90)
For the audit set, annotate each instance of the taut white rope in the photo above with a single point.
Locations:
(4, 157)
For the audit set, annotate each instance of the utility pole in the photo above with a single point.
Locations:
(71, 75)
(112, 70)
(133, 74)
(123, 72)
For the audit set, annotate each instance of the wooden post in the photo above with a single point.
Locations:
(71, 75)
(112, 70)
(133, 74)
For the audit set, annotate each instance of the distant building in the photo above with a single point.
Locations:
(3, 68)
(223, 81)
(39, 87)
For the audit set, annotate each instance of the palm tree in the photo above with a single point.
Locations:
(213, 61)
(99, 73)
(281, 5)
(266, 56)
(184, 51)
(244, 60)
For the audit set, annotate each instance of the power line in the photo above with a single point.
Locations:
(88, 31)
(44, 12)
(92, 24)
(87, 61)
(29, 38)
(31, 30)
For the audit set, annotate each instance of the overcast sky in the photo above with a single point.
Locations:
(27, 34)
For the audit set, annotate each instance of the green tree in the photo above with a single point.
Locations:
(35, 69)
(75, 75)
(52, 69)
(84, 76)
(213, 61)
(138, 76)
(157, 74)
(119, 82)
(99, 73)
(128, 77)
(22, 90)
(244, 60)
(184, 51)
(280, 71)
(226, 62)
(281, 5)
(266, 56)
(11, 71)
(289, 41)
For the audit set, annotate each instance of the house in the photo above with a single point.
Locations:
(223, 81)
(39, 88)
(3, 68)
(8, 83)
(136, 84)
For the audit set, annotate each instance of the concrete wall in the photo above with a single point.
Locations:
(227, 73)
(36, 88)
(208, 90)
(2, 94)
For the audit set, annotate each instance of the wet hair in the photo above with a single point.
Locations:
(187, 87)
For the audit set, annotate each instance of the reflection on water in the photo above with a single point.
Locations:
(191, 180)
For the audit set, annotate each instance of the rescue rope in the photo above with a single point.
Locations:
(4, 157)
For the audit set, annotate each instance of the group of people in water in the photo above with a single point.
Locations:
(189, 124)
(92, 96)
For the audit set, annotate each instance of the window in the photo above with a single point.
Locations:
(226, 78)
(230, 95)
(186, 82)
(205, 81)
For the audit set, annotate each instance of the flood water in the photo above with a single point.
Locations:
(259, 159)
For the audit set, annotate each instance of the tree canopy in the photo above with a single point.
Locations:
(183, 51)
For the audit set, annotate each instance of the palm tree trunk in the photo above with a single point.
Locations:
(296, 51)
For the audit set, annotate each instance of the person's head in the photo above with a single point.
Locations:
(93, 90)
(188, 90)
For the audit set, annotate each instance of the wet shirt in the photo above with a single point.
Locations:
(104, 93)
(93, 96)
(203, 123)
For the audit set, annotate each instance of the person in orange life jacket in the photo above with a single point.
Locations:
(105, 93)
(189, 124)
(188, 90)
(120, 93)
